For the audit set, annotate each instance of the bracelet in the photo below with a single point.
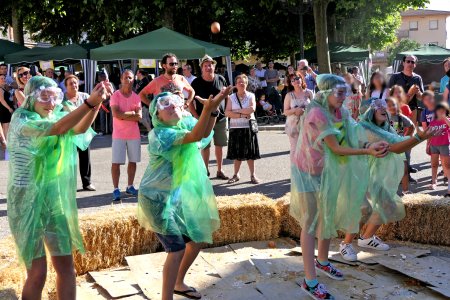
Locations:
(366, 145)
(417, 137)
(88, 104)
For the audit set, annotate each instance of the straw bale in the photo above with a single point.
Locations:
(426, 221)
(289, 226)
(249, 217)
(109, 236)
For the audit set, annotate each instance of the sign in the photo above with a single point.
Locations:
(147, 63)
(44, 65)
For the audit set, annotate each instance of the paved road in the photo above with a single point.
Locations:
(272, 169)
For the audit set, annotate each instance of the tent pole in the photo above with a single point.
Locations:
(229, 72)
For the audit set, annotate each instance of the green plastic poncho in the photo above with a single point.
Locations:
(385, 173)
(41, 193)
(175, 195)
(327, 190)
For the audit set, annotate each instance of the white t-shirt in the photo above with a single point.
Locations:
(261, 74)
(376, 94)
(190, 79)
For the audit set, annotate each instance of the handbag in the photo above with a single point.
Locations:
(252, 122)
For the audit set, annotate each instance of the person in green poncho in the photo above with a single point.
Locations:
(176, 199)
(41, 193)
(382, 205)
(326, 168)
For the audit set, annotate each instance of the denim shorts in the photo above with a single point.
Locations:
(173, 243)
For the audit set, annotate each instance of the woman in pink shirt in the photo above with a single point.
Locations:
(439, 145)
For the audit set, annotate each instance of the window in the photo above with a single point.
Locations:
(433, 24)
(413, 25)
(434, 43)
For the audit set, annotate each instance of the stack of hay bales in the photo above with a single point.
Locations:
(249, 217)
(289, 226)
(425, 222)
(109, 236)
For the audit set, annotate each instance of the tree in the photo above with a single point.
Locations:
(403, 45)
(320, 21)
(371, 23)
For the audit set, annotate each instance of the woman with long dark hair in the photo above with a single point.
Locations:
(377, 87)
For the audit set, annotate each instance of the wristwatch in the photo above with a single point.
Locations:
(215, 114)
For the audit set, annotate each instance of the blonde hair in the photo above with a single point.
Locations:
(243, 77)
(18, 80)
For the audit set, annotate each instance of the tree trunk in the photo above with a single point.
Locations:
(320, 22)
(17, 25)
(168, 15)
(331, 22)
(293, 62)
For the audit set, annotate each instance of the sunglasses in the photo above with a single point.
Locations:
(20, 75)
(410, 62)
(172, 64)
(168, 101)
(304, 69)
(296, 79)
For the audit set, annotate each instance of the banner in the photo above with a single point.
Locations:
(44, 65)
(147, 63)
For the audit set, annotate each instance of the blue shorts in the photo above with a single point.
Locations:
(173, 243)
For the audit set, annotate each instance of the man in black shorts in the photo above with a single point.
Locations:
(411, 83)
(204, 86)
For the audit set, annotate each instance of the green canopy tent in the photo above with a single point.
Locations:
(7, 47)
(69, 54)
(154, 44)
(344, 54)
(427, 54)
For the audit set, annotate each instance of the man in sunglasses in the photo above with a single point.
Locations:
(208, 84)
(170, 81)
(411, 82)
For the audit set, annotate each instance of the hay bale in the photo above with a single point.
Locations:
(425, 222)
(249, 217)
(109, 236)
(289, 226)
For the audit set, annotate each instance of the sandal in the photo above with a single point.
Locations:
(254, 180)
(221, 175)
(234, 179)
(187, 292)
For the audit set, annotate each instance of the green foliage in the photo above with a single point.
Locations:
(371, 23)
(403, 45)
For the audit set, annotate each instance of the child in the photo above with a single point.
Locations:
(324, 169)
(439, 145)
(176, 199)
(383, 204)
(398, 93)
(404, 127)
(267, 107)
(353, 101)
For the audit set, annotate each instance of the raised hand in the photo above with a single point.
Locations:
(429, 132)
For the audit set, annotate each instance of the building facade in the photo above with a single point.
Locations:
(426, 27)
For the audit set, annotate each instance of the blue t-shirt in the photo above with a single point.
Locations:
(444, 83)
(310, 82)
(427, 116)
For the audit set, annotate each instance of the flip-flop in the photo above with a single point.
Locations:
(234, 179)
(186, 293)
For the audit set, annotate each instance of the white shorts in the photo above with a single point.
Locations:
(121, 148)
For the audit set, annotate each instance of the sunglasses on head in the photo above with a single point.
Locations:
(172, 64)
(410, 62)
(20, 75)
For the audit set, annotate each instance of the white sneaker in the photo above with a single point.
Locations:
(348, 252)
(373, 243)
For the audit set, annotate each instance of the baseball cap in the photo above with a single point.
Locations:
(207, 58)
